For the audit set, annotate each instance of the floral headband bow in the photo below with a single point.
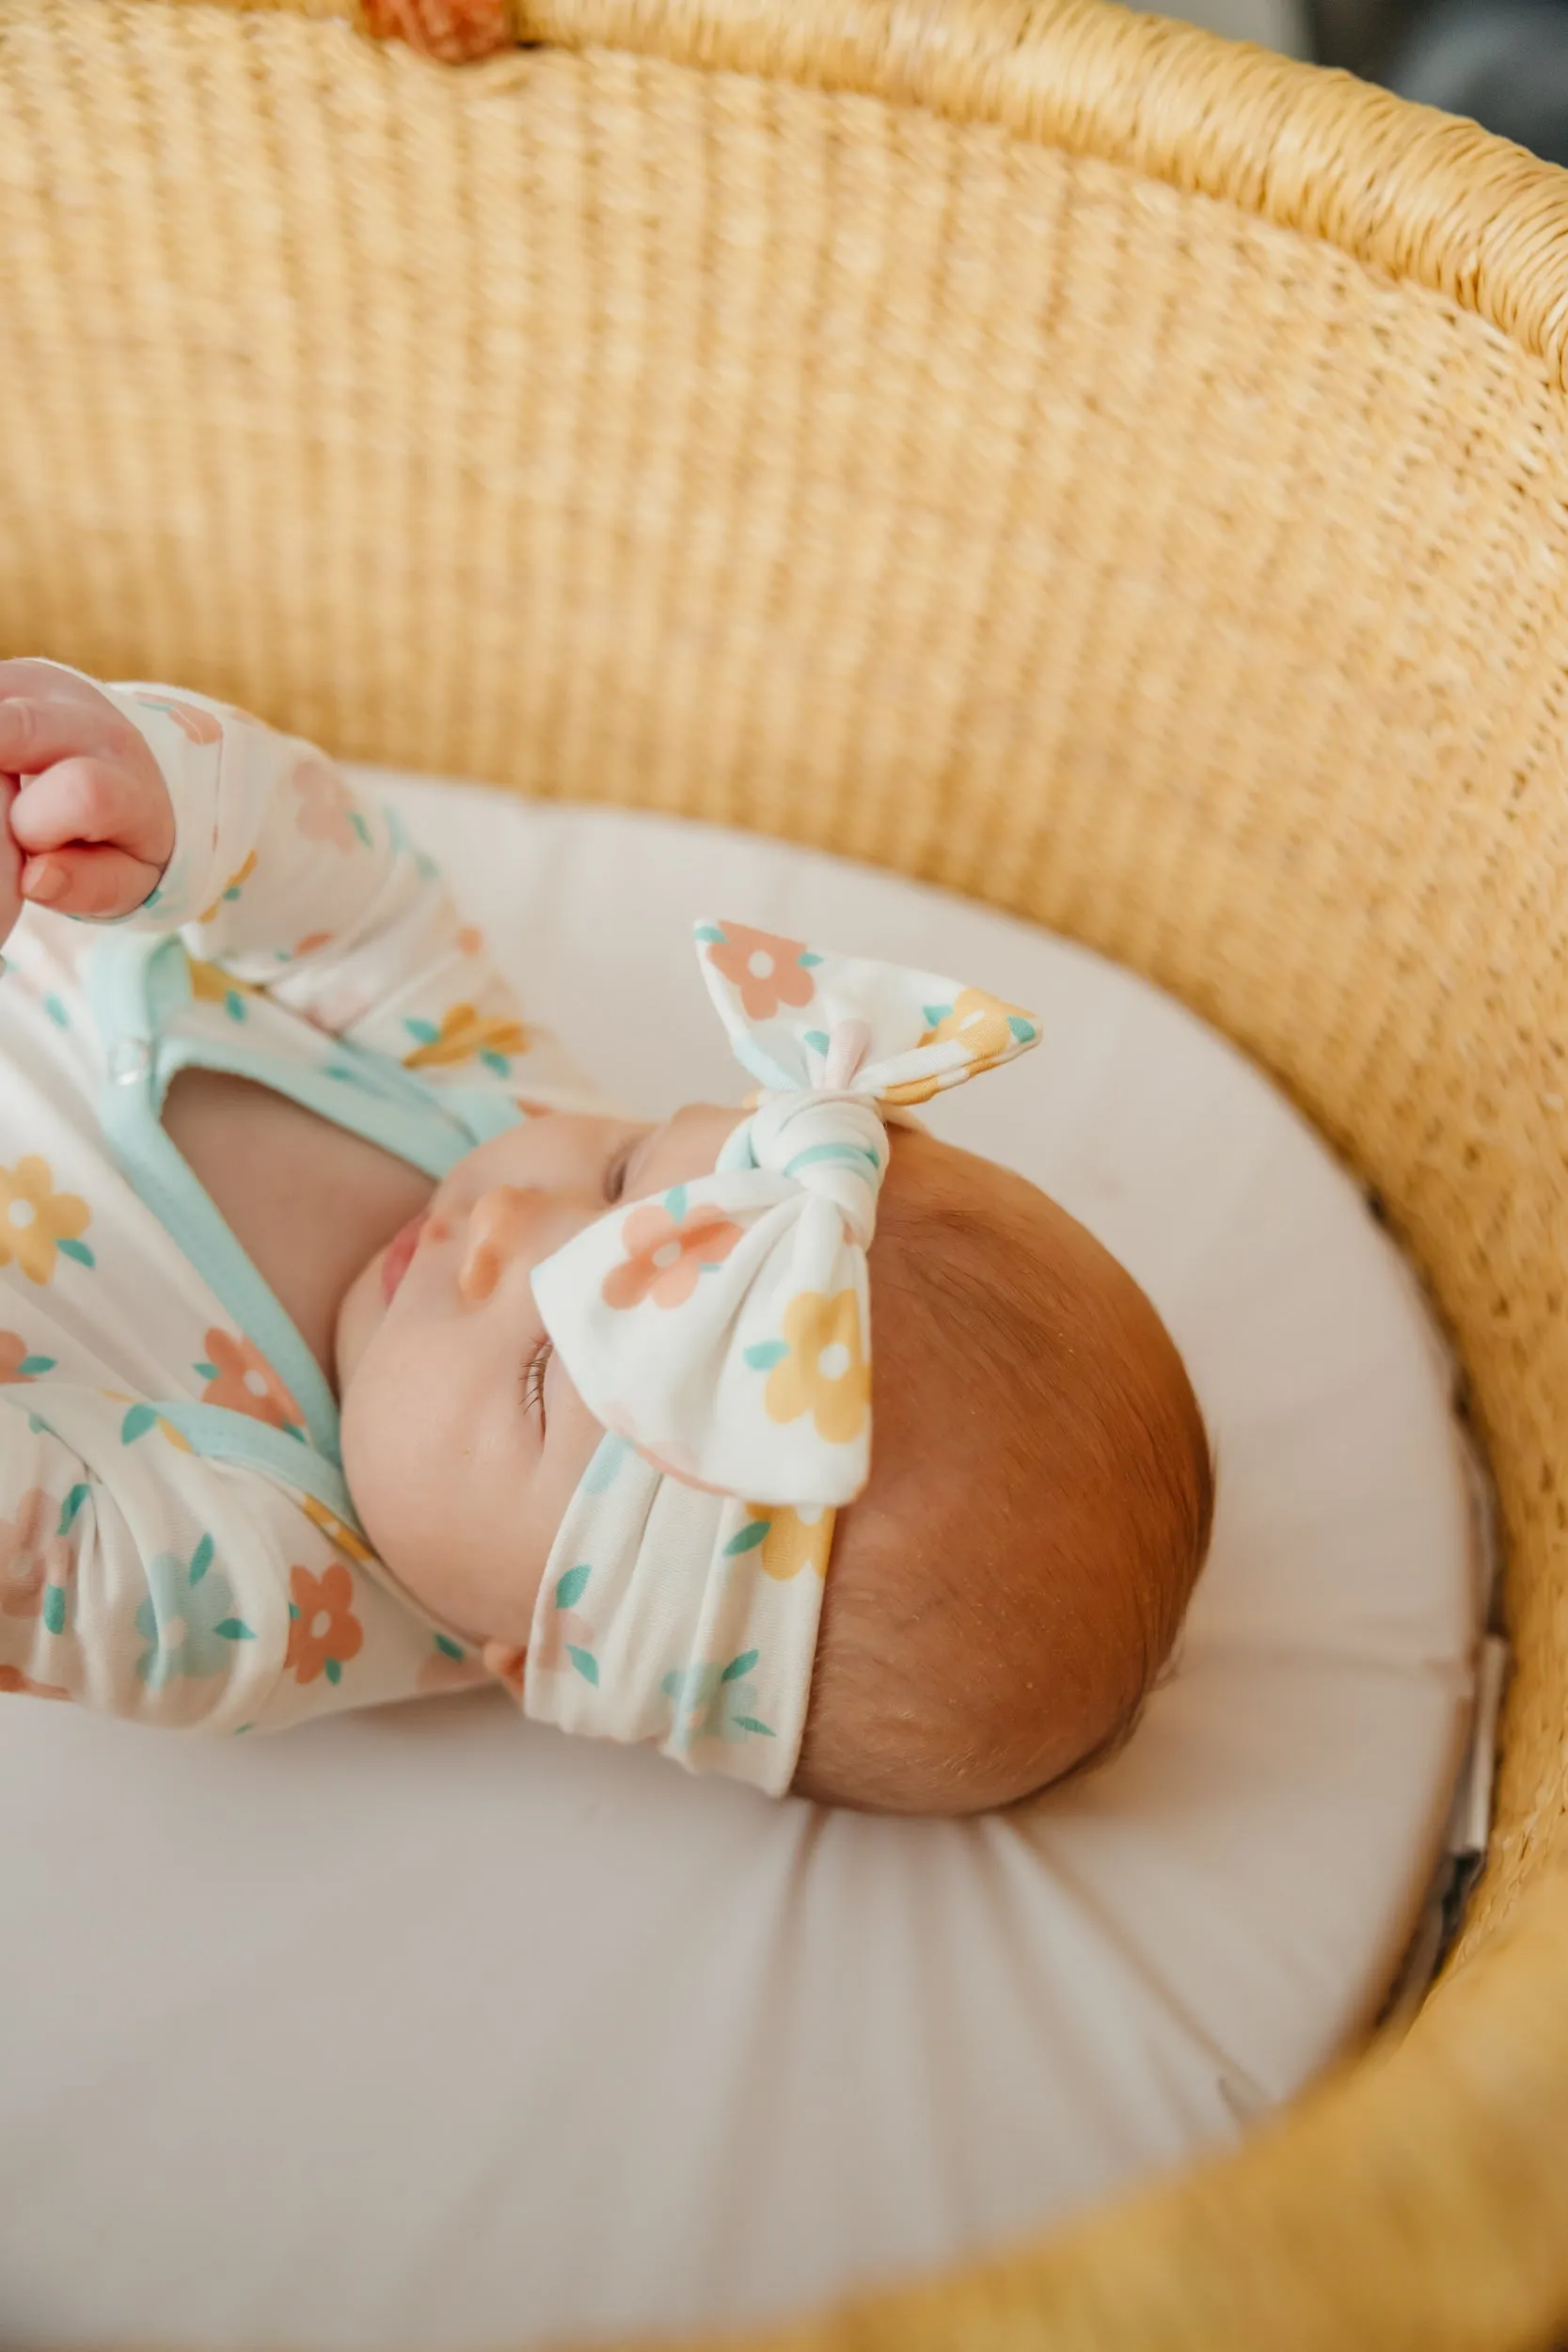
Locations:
(721, 1332)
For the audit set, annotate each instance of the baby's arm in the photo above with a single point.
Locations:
(183, 1592)
(170, 811)
(124, 1596)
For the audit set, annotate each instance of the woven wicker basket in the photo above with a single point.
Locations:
(1033, 447)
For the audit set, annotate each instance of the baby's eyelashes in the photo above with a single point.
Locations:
(533, 1380)
(616, 1166)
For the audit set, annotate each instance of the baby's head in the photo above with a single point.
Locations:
(619, 1446)
(1008, 1587)
(1003, 1592)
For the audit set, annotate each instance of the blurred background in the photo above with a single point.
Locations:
(1505, 62)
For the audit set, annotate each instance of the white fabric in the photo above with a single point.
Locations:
(433, 2027)
(721, 1334)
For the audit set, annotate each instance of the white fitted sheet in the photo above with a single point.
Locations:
(433, 2028)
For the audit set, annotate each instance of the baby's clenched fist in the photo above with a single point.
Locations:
(90, 821)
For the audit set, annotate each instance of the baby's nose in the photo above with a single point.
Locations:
(499, 1225)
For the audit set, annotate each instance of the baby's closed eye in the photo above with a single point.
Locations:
(534, 1378)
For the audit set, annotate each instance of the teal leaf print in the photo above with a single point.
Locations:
(333, 1671)
(754, 1532)
(713, 1704)
(54, 1609)
(34, 1367)
(447, 1649)
(56, 1011)
(807, 956)
(423, 1032)
(69, 1507)
(585, 1663)
(818, 1040)
(1022, 1030)
(496, 1062)
(137, 1421)
(935, 1014)
(233, 1005)
(710, 935)
(186, 1619)
(79, 1250)
(207, 1371)
(765, 1354)
(573, 1585)
(674, 1202)
(236, 1630)
(357, 821)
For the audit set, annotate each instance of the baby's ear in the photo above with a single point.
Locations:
(506, 1663)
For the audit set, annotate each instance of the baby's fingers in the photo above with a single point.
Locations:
(101, 881)
(90, 800)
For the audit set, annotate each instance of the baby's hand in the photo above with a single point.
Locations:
(92, 820)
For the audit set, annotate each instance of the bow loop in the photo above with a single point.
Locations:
(723, 1328)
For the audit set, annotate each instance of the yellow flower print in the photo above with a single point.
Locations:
(465, 1035)
(823, 1370)
(335, 1531)
(787, 1541)
(36, 1220)
(231, 889)
(211, 985)
(987, 1028)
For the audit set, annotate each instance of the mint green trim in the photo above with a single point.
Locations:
(814, 1153)
(221, 1436)
(128, 984)
(136, 983)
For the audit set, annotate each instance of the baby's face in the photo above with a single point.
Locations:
(463, 1438)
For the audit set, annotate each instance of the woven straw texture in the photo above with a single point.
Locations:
(1033, 447)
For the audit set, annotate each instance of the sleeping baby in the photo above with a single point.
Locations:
(352, 1347)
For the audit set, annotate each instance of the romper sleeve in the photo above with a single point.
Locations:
(285, 879)
(144, 1580)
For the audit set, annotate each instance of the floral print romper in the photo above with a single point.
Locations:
(177, 1545)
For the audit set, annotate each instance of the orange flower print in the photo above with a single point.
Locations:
(768, 971)
(15, 1684)
(326, 811)
(18, 1362)
(667, 1246)
(465, 1034)
(36, 1562)
(36, 1220)
(822, 1369)
(197, 726)
(787, 1541)
(240, 1378)
(323, 1631)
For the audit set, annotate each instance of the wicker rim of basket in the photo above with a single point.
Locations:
(1424, 197)
(1420, 2198)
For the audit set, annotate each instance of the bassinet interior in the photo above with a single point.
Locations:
(1031, 447)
